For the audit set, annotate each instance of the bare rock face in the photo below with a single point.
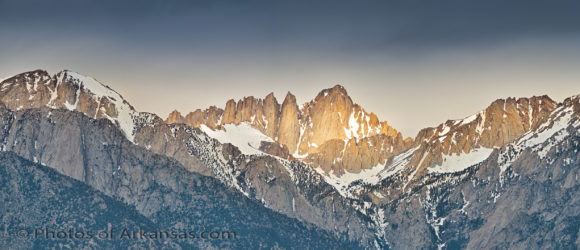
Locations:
(67, 90)
(229, 112)
(500, 123)
(262, 114)
(246, 109)
(289, 132)
(271, 114)
(341, 136)
(175, 117)
(331, 131)
(35, 195)
(31, 90)
(339, 156)
(209, 117)
(276, 149)
(326, 118)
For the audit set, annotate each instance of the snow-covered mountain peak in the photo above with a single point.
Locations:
(329, 131)
(90, 84)
(111, 104)
(564, 120)
(68, 90)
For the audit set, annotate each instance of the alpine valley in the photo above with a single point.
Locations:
(325, 174)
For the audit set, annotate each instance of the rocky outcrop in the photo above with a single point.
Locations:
(457, 145)
(333, 115)
(500, 123)
(354, 156)
(289, 132)
(340, 136)
(175, 117)
(263, 114)
(272, 117)
(68, 90)
(229, 112)
(37, 197)
(209, 117)
(330, 132)
(326, 118)
(276, 149)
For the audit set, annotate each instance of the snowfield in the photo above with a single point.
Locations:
(125, 112)
(458, 163)
(243, 136)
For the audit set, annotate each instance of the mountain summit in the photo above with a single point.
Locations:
(331, 131)
(68, 90)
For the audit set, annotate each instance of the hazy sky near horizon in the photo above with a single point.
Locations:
(413, 63)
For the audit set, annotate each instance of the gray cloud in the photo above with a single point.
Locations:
(330, 25)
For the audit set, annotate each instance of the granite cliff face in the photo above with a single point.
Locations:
(330, 132)
(452, 147)
(503, 121)
(36, 197)
(175, 117)
(68, 90)
(289, 129)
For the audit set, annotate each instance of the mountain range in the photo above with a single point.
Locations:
(324, 174)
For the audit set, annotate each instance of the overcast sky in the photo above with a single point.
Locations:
(414, 63)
